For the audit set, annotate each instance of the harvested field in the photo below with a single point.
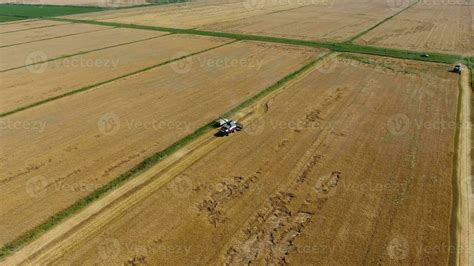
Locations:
(445, 28)
(101, 3)
(24, 54)
(12, 38)
(192, 15)
(27, 25)
(93, 137)
(61, 76)
(335, 169)
(336, 21)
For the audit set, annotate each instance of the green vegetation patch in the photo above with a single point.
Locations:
(20, 11)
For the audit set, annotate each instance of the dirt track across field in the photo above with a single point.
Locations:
(330, 170)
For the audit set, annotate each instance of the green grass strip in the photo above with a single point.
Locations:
(146, 164)
(381, 22)
(4, 18)
(23, 11)
(333, 46)
(89, 87)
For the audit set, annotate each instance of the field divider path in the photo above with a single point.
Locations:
(381, 22)
(37, 238)
(333, 46)
(84, 52)
(56, 37)
(463, 225)
(34, 28)
(79, 228)
(89, 87)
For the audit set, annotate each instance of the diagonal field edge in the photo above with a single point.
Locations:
(89, 87)
(84, 52)
(60, 216)
(52, 38)
(381, 22)
(47, 26)
(333, 46)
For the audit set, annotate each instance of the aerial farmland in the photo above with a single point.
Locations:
(236, 132)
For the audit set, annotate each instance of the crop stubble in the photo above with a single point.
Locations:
(321, 176)
(177, 102)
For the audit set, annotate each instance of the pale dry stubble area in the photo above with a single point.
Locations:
(310, 181)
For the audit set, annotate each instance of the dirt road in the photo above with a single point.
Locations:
(465, 211)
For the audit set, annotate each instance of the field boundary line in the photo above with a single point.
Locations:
(84, 52)
(333, 46)
(57, 37)
(89, 87)
(146, 164)
(381, 22)
(461, 223)
(47, 26)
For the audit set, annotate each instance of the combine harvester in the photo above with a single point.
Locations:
(227, 126)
